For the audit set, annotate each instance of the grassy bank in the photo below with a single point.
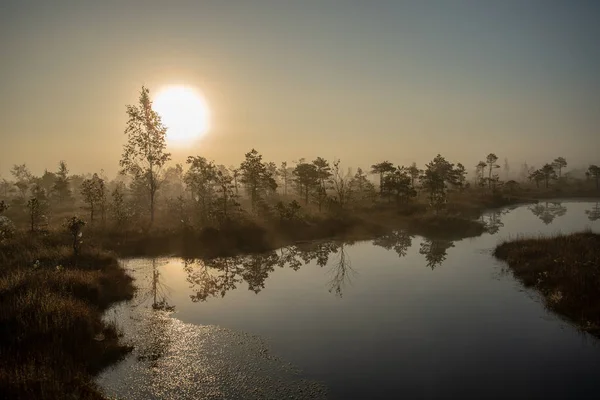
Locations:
(252, 236)
(53, 339)
(565, 269)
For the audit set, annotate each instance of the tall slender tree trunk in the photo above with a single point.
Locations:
(152, 194)
(253, 198)
(154, 281)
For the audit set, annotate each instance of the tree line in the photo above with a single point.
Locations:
(204, 193)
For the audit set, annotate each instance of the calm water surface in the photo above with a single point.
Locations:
(397, 317)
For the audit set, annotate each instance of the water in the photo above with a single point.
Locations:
(397, 317)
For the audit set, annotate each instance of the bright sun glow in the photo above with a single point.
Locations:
(184, 112)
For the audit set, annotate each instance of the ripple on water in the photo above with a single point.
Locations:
(174, 360)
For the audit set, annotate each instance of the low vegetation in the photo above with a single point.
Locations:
(565, 269)
(53, 339)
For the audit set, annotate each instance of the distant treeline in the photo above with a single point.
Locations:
(203, 193)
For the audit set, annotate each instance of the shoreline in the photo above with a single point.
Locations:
(564, 269)
(459, 222)
(54, 339)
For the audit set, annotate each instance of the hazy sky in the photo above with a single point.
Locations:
(363, 80)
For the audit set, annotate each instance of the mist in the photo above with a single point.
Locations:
(313, 199)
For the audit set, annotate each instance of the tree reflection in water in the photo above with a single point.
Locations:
(215, 277)
(156, 323)
(593, 214)
(492, 221)
(435, 251)
(400, 241)
(155, 290)
(341, 272)
(548, 211)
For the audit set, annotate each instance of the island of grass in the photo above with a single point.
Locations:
(565, 269)
(53, 338)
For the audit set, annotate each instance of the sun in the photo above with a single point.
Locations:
(184, 113)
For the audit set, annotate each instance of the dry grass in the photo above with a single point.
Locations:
(565, 269)
(51, 317)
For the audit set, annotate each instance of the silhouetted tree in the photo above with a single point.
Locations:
(272, 172)
(594, 172)
(560, 163)
(60, 188)
(342, 189)
(285, 174)
(119, 207)
(35, 210)
(74, 225)
(548, 173)
(201, 180)
(22, 179)
(172, 184)
(536, 176)
(75, 182)
(93, 192)
(144, 153)
(461, 176)
(226, 204)
(256, 177)
(414, 173)
(306, 178)
(398, 185)
(235, 174)
(46, 181)
(37, 207)
(479, 173)
(382, 169)
(323, 176)
(363, 190)
(288, 212)
(437, 174)
(491, 163)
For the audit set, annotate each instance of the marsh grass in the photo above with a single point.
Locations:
(565, 269)
(53, 339)
(259, 237)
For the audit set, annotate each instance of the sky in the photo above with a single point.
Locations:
(359, 80)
